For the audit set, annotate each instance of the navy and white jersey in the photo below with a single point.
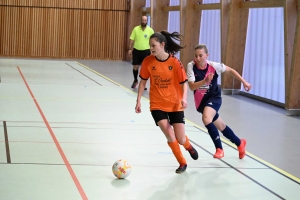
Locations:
(210, 91)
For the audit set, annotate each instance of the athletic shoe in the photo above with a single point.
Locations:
(193, 152)
(219, 153)
(241, 149)
(134, 84)
(181, 168)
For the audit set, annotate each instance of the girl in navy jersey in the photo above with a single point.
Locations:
(202, 79)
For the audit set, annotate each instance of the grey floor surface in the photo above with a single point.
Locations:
(271, 134)
(68, 121)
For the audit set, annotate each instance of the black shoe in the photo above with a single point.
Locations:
(145, 88)
(134, 84)
(193, 152)
(181, 169)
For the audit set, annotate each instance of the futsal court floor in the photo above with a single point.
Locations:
(66, 123)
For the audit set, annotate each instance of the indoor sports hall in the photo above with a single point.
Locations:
(67, 109)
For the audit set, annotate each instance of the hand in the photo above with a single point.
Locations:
(184, 103)
(138, 107)
(247, 86)
(209, 77)
(129, 52)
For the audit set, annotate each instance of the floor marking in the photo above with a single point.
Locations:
(261, 161)
(61, 152)
(290, 176)
(83, 74)
(89, 143)
(236, 169)
(78, 122)
(109, 79)
(99, 74)
(68, 99)
(6, 143)
(147, 166)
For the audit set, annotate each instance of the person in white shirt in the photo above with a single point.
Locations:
(202, 79)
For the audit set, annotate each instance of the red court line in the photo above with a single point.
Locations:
(61, 152)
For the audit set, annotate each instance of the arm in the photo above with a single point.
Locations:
(184, 96)
(130, 47)
(191, 78)
(141, 88)
(234, 73)
(195, 85)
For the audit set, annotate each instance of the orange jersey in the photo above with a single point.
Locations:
(166, 78)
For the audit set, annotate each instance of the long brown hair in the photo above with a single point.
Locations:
(170, 45)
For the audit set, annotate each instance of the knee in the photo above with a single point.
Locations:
(168, 131)
(220, 124)
(181, 140)
(135, 67)
(206, 119)
(222, 127)
(170, 136)
(215, 117)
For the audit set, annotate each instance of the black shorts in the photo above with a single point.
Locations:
(138, 56)
(172, 117)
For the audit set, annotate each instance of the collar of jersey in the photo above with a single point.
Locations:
(162, 60)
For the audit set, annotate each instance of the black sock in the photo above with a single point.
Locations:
(214, 134)
(135, 75)
(229, 134)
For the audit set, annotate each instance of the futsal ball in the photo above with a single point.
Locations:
(121, 169)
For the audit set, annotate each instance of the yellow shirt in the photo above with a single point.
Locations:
(141, 37)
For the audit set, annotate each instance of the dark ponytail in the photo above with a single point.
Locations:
(170, 45)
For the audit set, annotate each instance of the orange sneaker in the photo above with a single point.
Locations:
(241, 149)
(219, 153)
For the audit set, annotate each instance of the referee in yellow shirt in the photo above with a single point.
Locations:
(139, 46)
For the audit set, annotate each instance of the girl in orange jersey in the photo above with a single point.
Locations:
(168, 92)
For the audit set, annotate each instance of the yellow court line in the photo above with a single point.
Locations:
(204, 130)
(108, 78)
(65, 99)
(253, 156)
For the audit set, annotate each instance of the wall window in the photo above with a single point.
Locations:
(174, 25)
(210, 34)
(264, 54)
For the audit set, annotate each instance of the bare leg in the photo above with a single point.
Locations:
(135, 67)
(167, 129)
(179, 129)
(173, 144)
(219, 123)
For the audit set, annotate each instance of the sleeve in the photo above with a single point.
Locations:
(190, 72)
(219, 67)
(132, 36)
(144, 72)
(151, 31)
(180, 71)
